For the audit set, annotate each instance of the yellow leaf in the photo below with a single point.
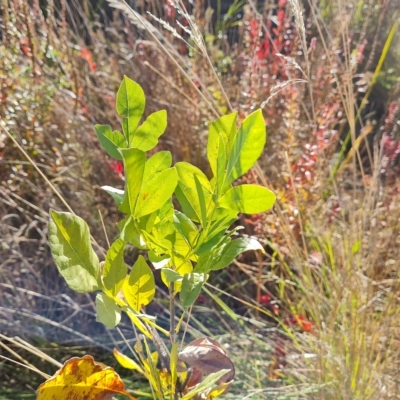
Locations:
(127, 362)
(82, 378)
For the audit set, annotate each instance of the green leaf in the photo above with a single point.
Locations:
(139, 288)
(117, 194)
(249, 199)
(233, 249)
(186, 228)
(146, 136)
(159, 261)
(157, 163)
(130, 234)
(220, 132)
(191, 288)
(224, 218)
(182, 266)
(210, 244)
(187, 193)
(202, 201)
(245, 147)
(115, 270)
(72, 252)
(155, 193)
(108, 313)
(134, 162)
(110, 141)
(171, 275)
(130, 106)
(206, 384)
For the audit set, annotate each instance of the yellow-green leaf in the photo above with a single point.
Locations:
(187, 193)
(72, 252)
(131, 102)
(155, 193)
(146, 136)
(245, 147)
(115, 269)
(108, 312)
(249, 199)
(110, 141)
(134, 162)
(139, 288)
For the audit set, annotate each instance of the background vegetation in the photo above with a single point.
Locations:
(318, 317)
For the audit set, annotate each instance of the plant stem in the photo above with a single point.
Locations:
(172, 313)
(172, 333)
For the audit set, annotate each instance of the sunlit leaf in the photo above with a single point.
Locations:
(82, 378)
(108, 313)
(246, 146)
(249, 199)
(157, 163)
(130, 233)
(146, 136)
(114, 272)
(139, 288)
(111, 141)
(134, 162)
(127, 362)
(117, 194)
(171, 275)
(186, 191)
(202, 201)
(159, 261)
(72, 252)
(155, 193)
(221, 132)
(233, 249)
(186, 228)
(130, 106)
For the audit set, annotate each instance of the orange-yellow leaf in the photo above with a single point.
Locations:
(82, 378)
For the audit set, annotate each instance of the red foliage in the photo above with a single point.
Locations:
(87, 55)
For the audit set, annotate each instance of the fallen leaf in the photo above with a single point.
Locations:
(206, 356)
(82, 378)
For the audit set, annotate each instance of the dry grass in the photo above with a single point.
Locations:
(333, 237)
